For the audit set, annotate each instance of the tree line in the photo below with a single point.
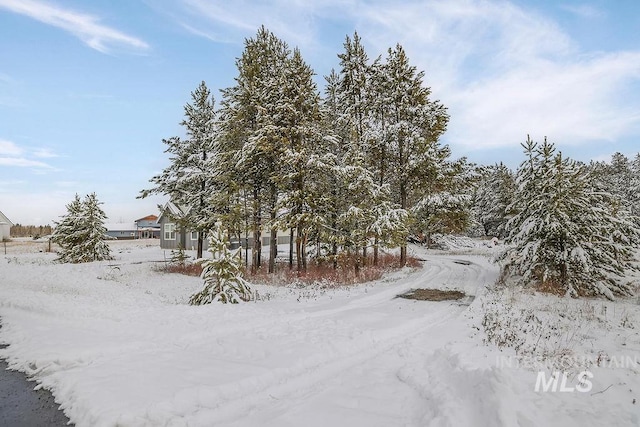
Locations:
(357, 168)
(569, 227)
(360, 167)
(35, 231)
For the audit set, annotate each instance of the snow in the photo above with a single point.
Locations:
(117, 344)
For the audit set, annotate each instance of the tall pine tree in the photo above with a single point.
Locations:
(188, 180)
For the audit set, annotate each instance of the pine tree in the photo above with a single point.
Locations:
(81, 234)
(188, 180)
(634, 189)
(352, 95)
(299, 111)
(415, 125)
(222, 273)
(621, 178)
(565, 235)
(446, 204)
(491, 199)
(251, 122)
(67, 233)
(331, 181)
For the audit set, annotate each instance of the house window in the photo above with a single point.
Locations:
(194, 235)
(170, 231)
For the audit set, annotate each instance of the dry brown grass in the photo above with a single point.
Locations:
(23, 245)
(188, 269)
(317, 271)
(344, 273)
(550, 287)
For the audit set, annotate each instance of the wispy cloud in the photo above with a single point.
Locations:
(9, 148)
(21, 162)
(44, 153)
(505, 71)
(502, 69)
(86, 27)
(11, 154)
(297, 22)
(583, 10)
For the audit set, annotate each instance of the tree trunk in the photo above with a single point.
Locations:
(299, 245)
(200, 245)
(375, 251)
(304, 253)
(291, 243)
(257, 240)
(257, 248)
(183, 239)
(273, 249)
(403, 205)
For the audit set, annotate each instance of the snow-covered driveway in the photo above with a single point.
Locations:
(117, 346)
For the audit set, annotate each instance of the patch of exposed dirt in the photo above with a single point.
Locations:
(433, 295)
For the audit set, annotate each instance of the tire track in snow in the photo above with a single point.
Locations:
(434, 272)
(235, 400)
(239, 399)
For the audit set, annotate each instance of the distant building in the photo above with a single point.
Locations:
(142, 228)
(121, 230)
(5, 227)
(147, 227)
(171, 237)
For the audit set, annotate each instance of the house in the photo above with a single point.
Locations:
(171, 237)
(147, 227)
(121, 230)
(5, 227)
(142, 228)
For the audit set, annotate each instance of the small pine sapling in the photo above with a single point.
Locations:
(179, 256)
(222, 273)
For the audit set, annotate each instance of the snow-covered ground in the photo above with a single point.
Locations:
(117, 345)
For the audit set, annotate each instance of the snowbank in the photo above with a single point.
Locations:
(117, 344)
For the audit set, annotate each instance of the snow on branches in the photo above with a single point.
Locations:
(81, 233)
(567, 235)
(222, 273)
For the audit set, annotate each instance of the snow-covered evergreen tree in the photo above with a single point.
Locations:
(252, 123)
(302, 161)
(188, 180)
(621, 178)
(634, 204)
(415, 125)
(68, 232)
(445, 206)
(81, 233)
(330, 180)
(352, 94)
(491, 199)
(566, 236)
(222, 274)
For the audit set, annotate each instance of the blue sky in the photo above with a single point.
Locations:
(88, 90)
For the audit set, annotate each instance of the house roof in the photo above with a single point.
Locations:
(173, 210)
(121, 226)
(148, 218)
(4, 219)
